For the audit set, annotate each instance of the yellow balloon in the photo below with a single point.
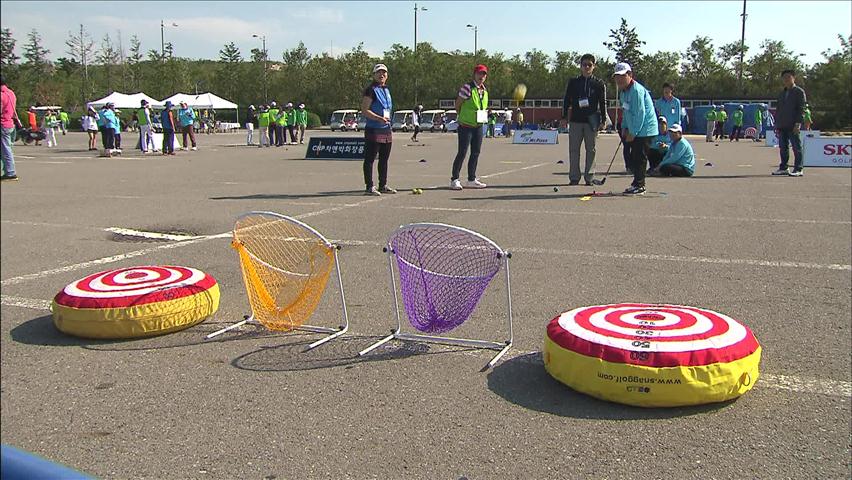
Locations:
(520, 92)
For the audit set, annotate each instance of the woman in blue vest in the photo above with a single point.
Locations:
(472, 105)
(377, 108)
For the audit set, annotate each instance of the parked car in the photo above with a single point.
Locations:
(361, 123)
(401, 120)
(432, 120)
(451, 123)
(343, 120)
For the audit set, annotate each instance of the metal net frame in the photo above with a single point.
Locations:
(286, 265)
(444, 271)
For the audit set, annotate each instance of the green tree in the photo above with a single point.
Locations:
(701, 72)
(7, 49)
(134, 63)
(625, 44)
(764, 69)
(829, 85)
(35, 55)
(228, 74)
(659, 68)
(108, 57)
(81, 48)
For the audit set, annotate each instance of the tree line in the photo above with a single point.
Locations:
(90, 70)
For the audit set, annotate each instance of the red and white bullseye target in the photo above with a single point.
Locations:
(685, 354)
(135, 301)
(750, 132)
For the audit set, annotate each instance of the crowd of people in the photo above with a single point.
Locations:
(650, 131)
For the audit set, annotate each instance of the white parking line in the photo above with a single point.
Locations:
(152, 235)
(642, 215)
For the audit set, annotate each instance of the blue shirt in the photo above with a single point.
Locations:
(166, 121)
(669, 109)
(680, 153)
(639, 120)
(110, 121)
(382, 101)
(664, 138)
(186, 116)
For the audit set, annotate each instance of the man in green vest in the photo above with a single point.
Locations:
(808, 119)
(302, 122)
(737, 118)
(492, 123)
(273, 123)
(758, 123)
(146, 135)
(472, 105)
(710, 116)
(280, 126)
(63, 118)
(721, 118)
(291, 123)
(263, 126)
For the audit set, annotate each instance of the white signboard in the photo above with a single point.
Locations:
(772, 139)
(827, 151)
(536, 137)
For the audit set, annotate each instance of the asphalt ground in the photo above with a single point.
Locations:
(772, 252)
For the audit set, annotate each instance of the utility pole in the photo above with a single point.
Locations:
(416, 58)
(475, 39)
(162, 42)
(742, 50)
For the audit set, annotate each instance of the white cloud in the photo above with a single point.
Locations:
(319, 15)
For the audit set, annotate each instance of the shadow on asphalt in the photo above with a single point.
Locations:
(41, 331)
(524, 381)
(341, 352)
(283, 196)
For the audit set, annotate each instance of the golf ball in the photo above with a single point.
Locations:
(555, 189)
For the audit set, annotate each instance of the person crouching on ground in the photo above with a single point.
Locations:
(659, 145)
(679, 160)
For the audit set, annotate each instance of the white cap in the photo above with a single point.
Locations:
(676, 128)
(380, 66)
(622, 68)
(289, 105)
(301, 105)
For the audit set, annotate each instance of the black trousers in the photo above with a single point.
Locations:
(271, 131)
(674, 171)
(468, 137)
(639, 158)
(371, 150)
(655, 157)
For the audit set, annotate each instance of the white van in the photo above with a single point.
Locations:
(402, 120)
(343, 120)
(432, 120)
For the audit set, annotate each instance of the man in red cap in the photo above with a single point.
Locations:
(472, 108)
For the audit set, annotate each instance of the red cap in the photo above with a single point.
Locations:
(480, 68)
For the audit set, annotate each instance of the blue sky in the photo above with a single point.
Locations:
(510, 27)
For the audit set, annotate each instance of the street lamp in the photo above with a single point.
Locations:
(475, 34)
(163, 39)
(416, 62)
(263, 39)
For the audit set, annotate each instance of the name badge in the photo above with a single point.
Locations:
(481, 116)
(626, 106)
(584, 102)
(673, 110)
(386, 113)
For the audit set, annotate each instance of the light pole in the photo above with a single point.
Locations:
(742, 49)
(416, 58)
(475, 35)
(263, 40)
(163, 39)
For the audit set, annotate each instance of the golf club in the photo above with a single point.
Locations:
(601, 182)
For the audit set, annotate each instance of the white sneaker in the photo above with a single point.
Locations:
(455, 184)
(194, 149)
(475, 184)
(781, 171)
(796, 173)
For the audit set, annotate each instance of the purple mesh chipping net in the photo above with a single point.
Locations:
(443, 272)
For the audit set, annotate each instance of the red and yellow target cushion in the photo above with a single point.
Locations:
(652, 355)
(135, 302)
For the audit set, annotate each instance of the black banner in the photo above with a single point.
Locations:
(336, 148)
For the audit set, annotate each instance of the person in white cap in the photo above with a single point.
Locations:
(639, 124)
(251, 119)
(377, 108)
(291, 123)
(302, 121)
(679, 160)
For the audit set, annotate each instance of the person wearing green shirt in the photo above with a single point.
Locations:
(807, 117)
(737, 118)
(50, 123)
(273, 123)
(146, 135)
(472, 105)
(291, 123)
(263, 126)
(721, 118)
(492, 123)
(710, 116)
(280, 128)
(302, 122)
(758, 123)
(63, 119)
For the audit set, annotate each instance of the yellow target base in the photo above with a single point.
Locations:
(135, 302)
(679, 356)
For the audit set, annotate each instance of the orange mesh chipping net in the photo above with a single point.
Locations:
(285, 269)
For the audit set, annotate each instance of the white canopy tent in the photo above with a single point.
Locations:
(122, 100)
(204, 100)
